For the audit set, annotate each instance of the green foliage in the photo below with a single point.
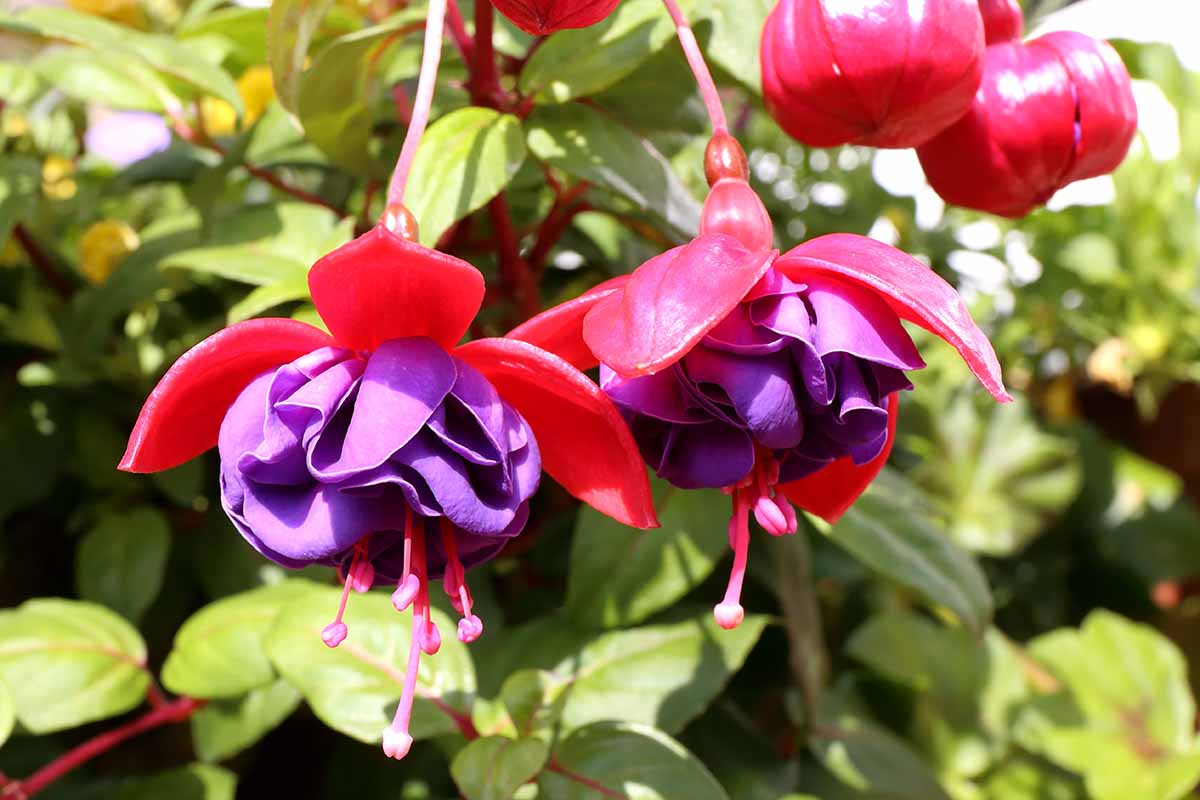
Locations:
(120, 562)
(493, 768)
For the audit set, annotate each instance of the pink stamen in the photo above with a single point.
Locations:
(359, 577)
(408, 586)
(427, 635)
(789, 513)
(470, 627)
(396, 738)
(729, 612)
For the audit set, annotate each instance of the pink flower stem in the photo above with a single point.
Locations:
(430, 59)
(695, 59)
(175, 711)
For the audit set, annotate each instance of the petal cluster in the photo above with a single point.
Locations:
(543, 17)
(1050, 111)
(333, 447)
(884, 73)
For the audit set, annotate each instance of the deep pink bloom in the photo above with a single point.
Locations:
(1002, 20)
(543, 17)
(885, 73)
(771, 376)
(386, 449)
(1050, 111)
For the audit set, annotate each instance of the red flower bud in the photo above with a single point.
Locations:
(1002, 21)
(542, 17)
(885, 73)
(1054, 110)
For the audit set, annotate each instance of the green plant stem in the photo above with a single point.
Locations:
(42, 262)
(808, 656)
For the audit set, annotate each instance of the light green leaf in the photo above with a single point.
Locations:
(580, 62)
(224, 728)
(737, 27)
(218, 652)
(494, 767)
(629, 760)
(74, 662)
(112, 78)
(120, 562)
(466, 158)
(620, 575)
(875, 761)
(889, 531)
(585, 143)
(20, 179)
(291, 25)
(243, 27)
(530, 703)
(193, 782)
(8, 716)
(267, 297)
(264, 245)
(354, 688)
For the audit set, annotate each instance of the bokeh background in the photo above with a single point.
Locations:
(878, 663)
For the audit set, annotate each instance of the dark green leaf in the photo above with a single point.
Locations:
(494, 767)
(620, 575)
(120, 562)
(193, 782)
(19, 185)
(224, 728)
(74, 662)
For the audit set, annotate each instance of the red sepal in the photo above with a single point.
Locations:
(183, 414)
(671, 302)
(559, 330)
(828, 492)
(381, 287)
(584, 442)
(914, 291)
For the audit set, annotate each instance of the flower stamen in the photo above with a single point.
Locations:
(408, 586)
(470, 627)
(359, 577)
(729, 612)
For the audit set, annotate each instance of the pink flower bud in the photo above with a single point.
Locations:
(734, 209)
(542, 17)
(1002, 21)
(885, 73)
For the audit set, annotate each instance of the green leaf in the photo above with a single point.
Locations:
(889, 531)
(353, 688)
(466, 158)
(120, 562)
(494, 767)
(336, 113)
(1125, 714)
(267, 297)
(585, 143)
(661, 675)
(737, 27)
(193, 782)
(243, 27)
(264, 245)
(20, 179)
(533, 700)
(224, 728)
(291, 25)
(113, 78)
(219, 651)
(8, 716)
(628, 760)
(620, 576)
(580, 62)
(75, 663)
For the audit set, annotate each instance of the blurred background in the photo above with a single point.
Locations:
(121, 244)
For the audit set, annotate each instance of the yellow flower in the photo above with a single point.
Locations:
(1058, 400)
(218, 117)
(257, 91)
(57, 183)
(126, 12)
(15, 124)
(103, 246)
(11, 254)
(1109, 364)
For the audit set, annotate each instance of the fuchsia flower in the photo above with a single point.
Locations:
(885, 73)
(1050, 111)
(385, 450)
(543, 17)
(772, 377)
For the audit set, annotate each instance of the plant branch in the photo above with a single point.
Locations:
(515, 271)
(173, 712)
(485, 79)
(808, 657)
(458, 31)
(695, 59)
(42, 261)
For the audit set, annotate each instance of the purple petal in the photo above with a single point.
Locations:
(760, 389)
(856, 321)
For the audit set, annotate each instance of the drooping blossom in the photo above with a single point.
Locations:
(1050, 111)
(543, 17)
(385, 450)
(884, 73)
(772, 377)
(125, 137)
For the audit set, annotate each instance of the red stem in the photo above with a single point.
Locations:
(485, 79)
(458, 30)
(598, 788)
(175, 711)
(42, 262)
(513, 269)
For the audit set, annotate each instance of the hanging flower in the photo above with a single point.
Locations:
(1049, 112)
(543, 17)
(884, 73)
(772, 377)
(383, 449)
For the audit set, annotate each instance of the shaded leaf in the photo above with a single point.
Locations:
(291, 25)
(193, 782)
(120, 562)
(224, 728)
(494, 767)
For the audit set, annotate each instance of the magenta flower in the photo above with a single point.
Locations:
(772, 377)
(384, 450)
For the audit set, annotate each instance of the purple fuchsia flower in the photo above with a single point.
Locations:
(385, 450)
(771, 377)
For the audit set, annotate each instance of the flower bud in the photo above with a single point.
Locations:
(884, 73)
(1050, 111)
(542, 17)
(734, 209)
(1002, 21)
